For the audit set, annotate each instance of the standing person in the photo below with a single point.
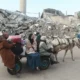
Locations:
(33, 58)
(38, 36)
(7, 55)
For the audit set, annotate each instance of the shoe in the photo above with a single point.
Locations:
(54, 62)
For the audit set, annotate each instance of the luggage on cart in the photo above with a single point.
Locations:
(18, 48)
(15, 38)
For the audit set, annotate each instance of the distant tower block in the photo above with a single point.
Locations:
(23, 6)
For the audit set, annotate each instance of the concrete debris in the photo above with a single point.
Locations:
(17, 22)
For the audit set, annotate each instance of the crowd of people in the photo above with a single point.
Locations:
(36, 46)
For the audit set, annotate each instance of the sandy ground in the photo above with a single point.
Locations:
(68, 70)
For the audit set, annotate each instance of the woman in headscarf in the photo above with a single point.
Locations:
(7, 55)
(33, 58)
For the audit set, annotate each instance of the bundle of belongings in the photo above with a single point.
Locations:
(17, 49)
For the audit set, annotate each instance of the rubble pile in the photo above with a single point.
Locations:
(14, 21)
(18, 22)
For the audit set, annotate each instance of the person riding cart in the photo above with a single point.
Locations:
(44, 50)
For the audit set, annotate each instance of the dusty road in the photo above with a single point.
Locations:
(68, 70)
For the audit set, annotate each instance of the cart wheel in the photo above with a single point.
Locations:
(44, 64)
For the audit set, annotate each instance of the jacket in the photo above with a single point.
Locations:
(43, 48)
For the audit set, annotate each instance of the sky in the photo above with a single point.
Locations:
(36, 6)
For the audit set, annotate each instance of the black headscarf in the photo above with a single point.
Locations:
(31, 40)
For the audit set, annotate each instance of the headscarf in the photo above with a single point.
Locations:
(5, 35)
(31, 40)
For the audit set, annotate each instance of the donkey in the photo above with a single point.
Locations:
(64, 44)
